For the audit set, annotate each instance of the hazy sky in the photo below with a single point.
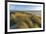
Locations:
(24, 7)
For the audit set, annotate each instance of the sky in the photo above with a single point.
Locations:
(24, 7)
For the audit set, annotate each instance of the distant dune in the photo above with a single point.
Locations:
(36, 12)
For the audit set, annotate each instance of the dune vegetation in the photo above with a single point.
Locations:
(24, 20)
